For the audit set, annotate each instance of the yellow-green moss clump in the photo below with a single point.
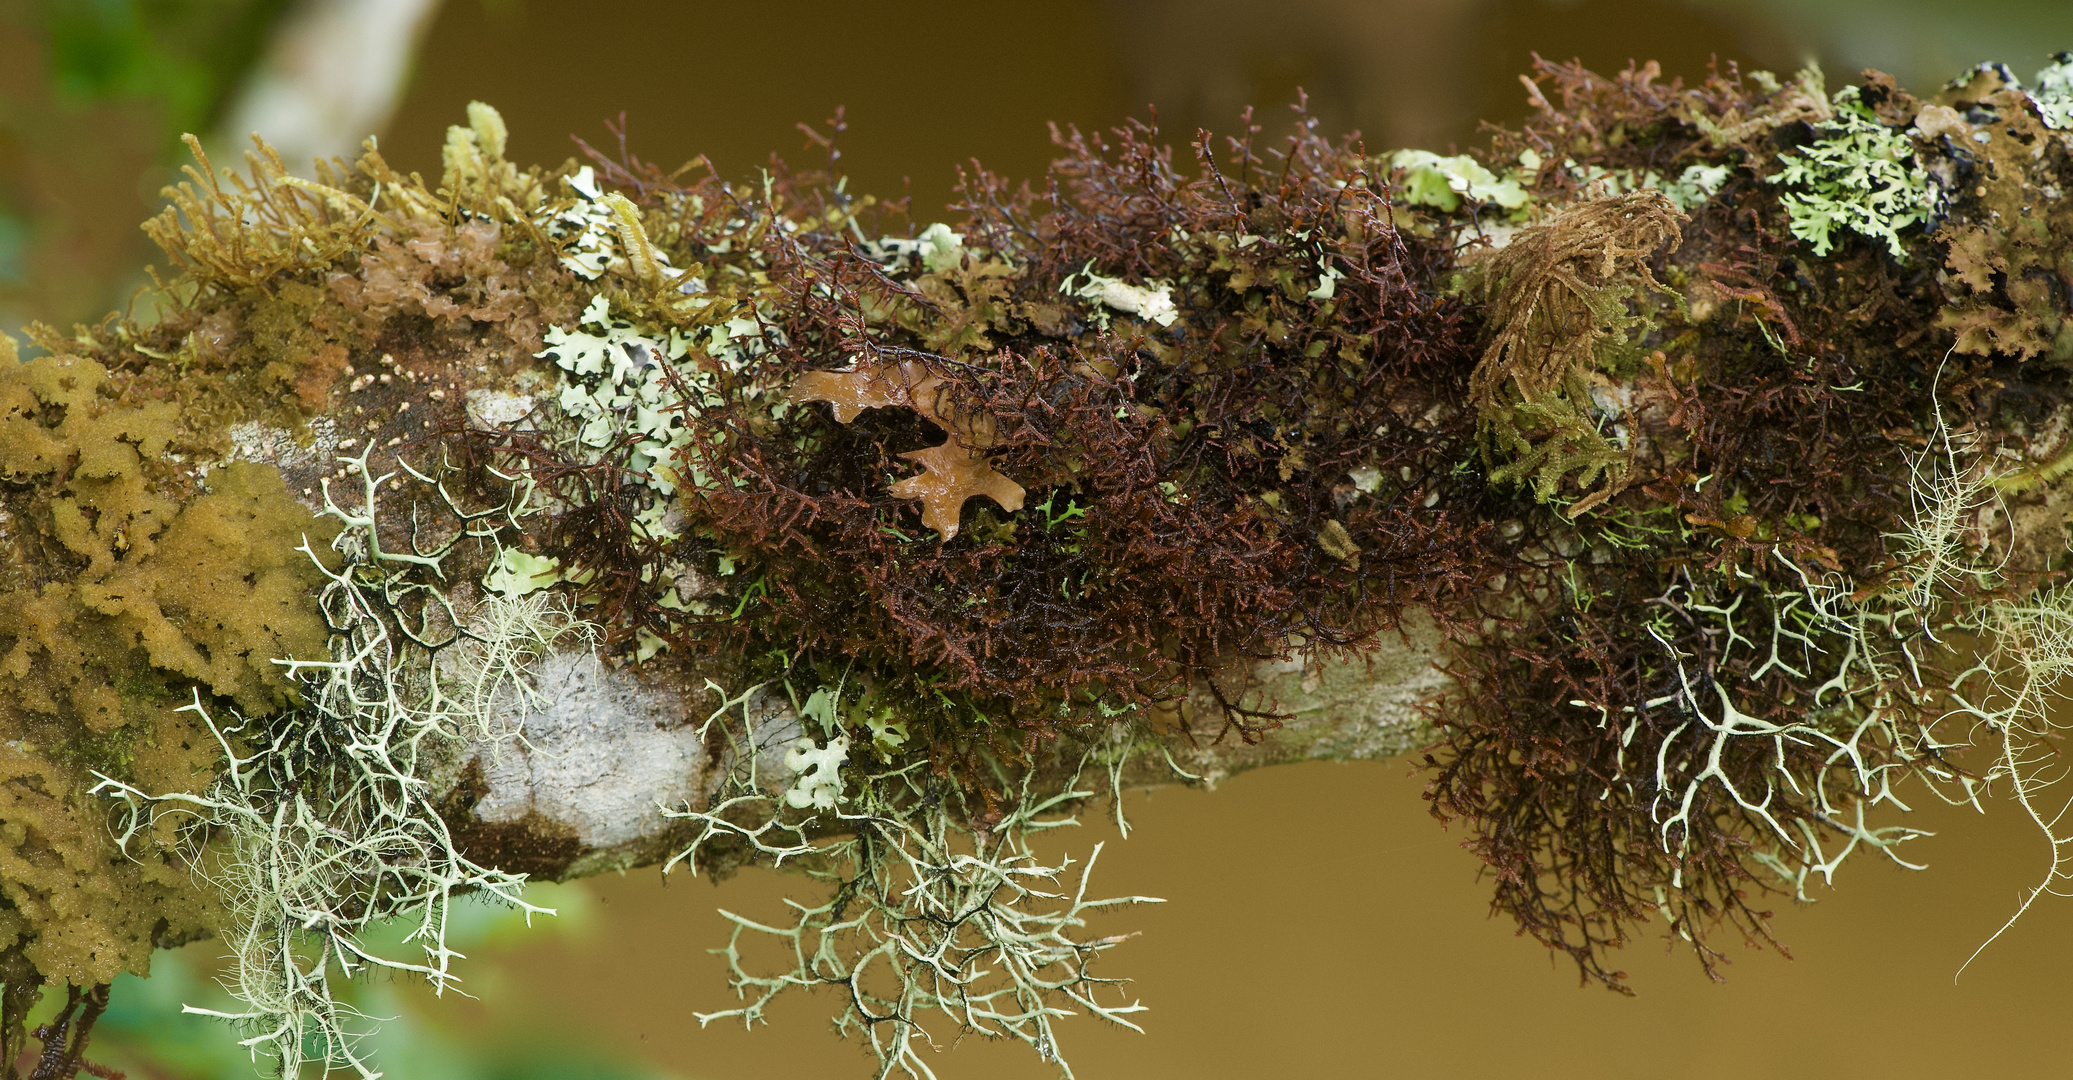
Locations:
(124, 589)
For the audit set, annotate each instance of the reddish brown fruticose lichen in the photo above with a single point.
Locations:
(1187, 505)
(1304, 450)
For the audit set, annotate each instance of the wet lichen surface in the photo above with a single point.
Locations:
(1716, 429)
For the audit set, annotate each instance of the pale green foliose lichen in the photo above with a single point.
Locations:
(1443, 182)
(621, 382)
(1327, 283)
(2054, 93)
(888, 730)
(1859, 176)
(1693, 186)
(819, 770)
(1152, 301)
(588, 230)
(938, 248)
(516, 573)
(615, 382)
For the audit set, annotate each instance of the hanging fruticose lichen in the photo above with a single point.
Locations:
(1742, 668)
(960, 924)
(324, 823)
(161, 604)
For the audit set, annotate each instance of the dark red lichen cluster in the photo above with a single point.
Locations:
(1575, 451)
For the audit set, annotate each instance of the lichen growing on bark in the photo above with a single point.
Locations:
(2009, 235)
(1690, 486)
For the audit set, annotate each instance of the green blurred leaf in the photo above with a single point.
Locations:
(186, 55)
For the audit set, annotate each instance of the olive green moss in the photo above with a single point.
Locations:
(1561, 300)
(113, 577)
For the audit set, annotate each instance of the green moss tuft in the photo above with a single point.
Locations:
(1558, 300)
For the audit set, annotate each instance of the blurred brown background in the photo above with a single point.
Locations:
(1319, 923)
(94, 93)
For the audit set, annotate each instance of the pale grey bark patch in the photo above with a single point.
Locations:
(614, 747)
(1372, 707)
(603, 758)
